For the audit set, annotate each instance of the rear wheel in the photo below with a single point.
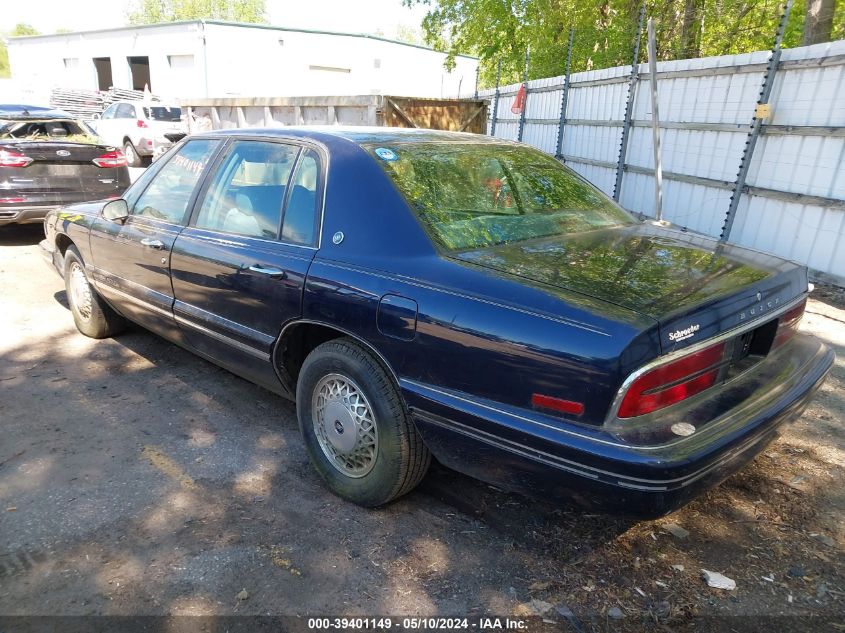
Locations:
(93, 316)
(132, 157)
(357, 431)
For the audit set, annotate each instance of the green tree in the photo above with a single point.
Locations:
(409, 34)
(502, 30)
(24, 29)
(17, 31)
(5, 71)
(819, 21)
(155, 11)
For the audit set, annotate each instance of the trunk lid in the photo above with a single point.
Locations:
(61, 172)
(694, 287)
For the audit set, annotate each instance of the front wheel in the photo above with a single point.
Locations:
(356, 429)
(132, 157)
(93, 316)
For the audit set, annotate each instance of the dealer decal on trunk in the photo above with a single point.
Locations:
(682, 335)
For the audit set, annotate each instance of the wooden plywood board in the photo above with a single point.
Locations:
(456, 115)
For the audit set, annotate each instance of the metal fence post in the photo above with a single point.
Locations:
(564, 97)
(524, 103)
(655, 122)
(629, 108)
(496, 100)
(760, 113)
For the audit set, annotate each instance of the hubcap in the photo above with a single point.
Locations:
(80, 291)
(345, 425)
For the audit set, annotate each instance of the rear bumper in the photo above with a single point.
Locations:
(546, 458)
(153, 146)
(24, 215)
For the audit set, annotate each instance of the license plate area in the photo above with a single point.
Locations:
(751, 347)
(64, 169)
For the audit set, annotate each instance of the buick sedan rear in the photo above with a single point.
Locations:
(426, 294)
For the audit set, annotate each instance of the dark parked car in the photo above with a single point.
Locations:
(49, 159)
(425, 293)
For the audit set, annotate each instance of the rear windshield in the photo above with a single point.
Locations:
(475, 195)
(162, 113)
(48, 130)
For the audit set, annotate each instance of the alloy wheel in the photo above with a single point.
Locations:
(345, 425)
(80, 291)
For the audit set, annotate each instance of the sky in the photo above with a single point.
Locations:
(353, 16)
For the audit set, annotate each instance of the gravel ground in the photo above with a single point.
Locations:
(136, 478)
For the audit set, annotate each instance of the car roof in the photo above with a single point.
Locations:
(144, 104)
(23, 111)
(366, 135)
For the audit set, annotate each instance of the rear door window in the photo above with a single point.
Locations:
(248, 192)
(168, 195)
(125, 111)
(300, 224)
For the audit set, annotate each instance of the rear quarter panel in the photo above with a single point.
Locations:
(486, 337)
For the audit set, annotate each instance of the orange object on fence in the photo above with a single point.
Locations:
(519, 101)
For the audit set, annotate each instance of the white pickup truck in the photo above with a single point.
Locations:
(143, 130)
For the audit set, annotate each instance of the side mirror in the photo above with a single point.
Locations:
(95, 116)
(116, 211)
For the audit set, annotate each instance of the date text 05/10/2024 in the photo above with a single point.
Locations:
(418, 624)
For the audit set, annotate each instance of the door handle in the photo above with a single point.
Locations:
(269, 271)
(156, 244)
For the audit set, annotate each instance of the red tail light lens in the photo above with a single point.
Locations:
(788, 324)
(557, 404)
(673, 382)
(141, 123)
(111, 159)
(12, 158)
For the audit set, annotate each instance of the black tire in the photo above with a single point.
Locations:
(93, 317)
(133, 159)
(401, 459)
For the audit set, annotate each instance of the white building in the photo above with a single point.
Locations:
(207, 58)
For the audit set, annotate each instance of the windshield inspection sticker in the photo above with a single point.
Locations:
(386, 154)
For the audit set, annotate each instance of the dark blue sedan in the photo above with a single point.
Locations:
(429, 294)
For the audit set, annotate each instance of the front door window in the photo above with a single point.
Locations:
(170, 191)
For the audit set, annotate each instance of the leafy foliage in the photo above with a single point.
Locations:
(18, 30)
(604, 31)
(154, 11)
(24, 29)
(5, 71)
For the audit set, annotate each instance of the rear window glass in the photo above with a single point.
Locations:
(161, 113)
(58, 130)
(475, 195)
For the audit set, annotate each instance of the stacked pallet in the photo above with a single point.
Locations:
(82, 103)
(86, 103)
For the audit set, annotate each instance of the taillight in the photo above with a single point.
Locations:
(673, 382)
(12, 158)
(114, 158)
(11, 200)
(141, 123)
(788, 324)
